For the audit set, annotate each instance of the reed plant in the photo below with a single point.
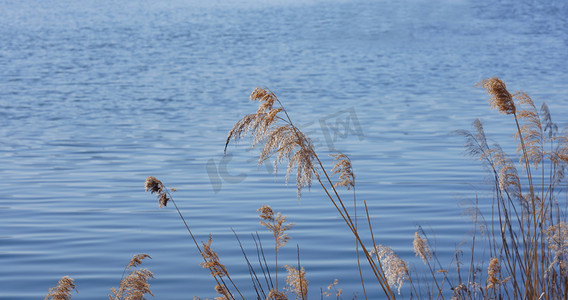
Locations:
(527, 233)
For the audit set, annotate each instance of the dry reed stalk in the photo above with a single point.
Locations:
(503, 100)
(296, 282)
(344, 168)
(275, 224)
(288, 142)
(135, 285)
(62, 291)
(422, 250)
(154, 185)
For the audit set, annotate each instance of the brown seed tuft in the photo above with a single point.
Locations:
(276, 295)
(396, 269)
(154, 185)
(137, 260)
(493, 274)
(224, 292)
(283, 142)
(557, 238)
(275, 223)
(135, 285)
(421, 247)
(501, 98)
(296, 281)
(344, 169)
(212, 261)
(62, 291)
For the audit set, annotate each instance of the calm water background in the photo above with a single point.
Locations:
(97, 95)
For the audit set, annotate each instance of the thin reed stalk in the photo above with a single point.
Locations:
(164, 196)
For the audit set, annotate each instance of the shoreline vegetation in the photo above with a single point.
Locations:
(525, 235)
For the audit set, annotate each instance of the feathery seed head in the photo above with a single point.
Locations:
(62, 291)
(501, 98)
(222, 290)
(266, 213)
(396, 269)
(557, 237)
(275, 224)
(212, 261)
(344, 169)
(163, 199)
(493, 274)
(153, 185)
(280, 141)
(156, 186)
(137, 260)
(276, 295)
(296, 281)
(421, 247)
(135, 285)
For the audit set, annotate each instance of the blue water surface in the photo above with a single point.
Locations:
(97, 95)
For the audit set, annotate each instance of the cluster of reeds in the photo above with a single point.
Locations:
(526, 235)
(282, 141)
(133, 286)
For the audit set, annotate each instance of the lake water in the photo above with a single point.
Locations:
(97, 95)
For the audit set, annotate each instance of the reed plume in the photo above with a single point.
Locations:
(275, 224)
(276, 295)
(224, 292)
(137, 260)
(135, 285)
(155, 186)
(557, 237)
(421, 247)
(396, 269)
(344, 169)
(280, 141)
(337, 291)
(296, 282)
(500, 96)
(494, 276)
(62, 291)
(212, 261)
(507, 175)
